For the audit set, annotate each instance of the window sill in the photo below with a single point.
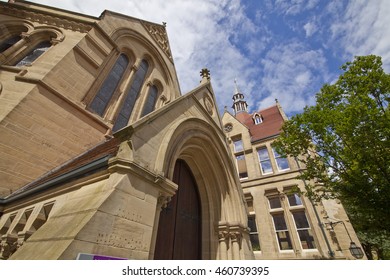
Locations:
(15, 69)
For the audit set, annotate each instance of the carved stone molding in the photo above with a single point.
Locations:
(159, 34)
(209, 105)
(45, 19)
(163, 201)
(9, 245)
(236, 237)
(223, 236)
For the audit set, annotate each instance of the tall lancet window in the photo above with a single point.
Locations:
(131, 97)
(36, 52)
(106, 91)
(150, 101)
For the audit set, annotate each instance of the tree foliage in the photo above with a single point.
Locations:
(344, 143)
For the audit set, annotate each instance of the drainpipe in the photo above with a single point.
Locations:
(331, 253)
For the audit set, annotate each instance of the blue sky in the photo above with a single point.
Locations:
(284, 49)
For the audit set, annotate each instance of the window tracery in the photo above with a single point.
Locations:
(102, 98)
(150, 102)
(131, 96)
(24, 43)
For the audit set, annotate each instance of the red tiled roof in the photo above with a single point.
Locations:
(271, 125)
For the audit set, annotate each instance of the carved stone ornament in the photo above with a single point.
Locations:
(159, 35)
(223, 235)
(208, 103)
(163, 201)
(235, 236)
(45, 19)
(228, 127)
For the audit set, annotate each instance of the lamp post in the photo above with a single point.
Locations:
(356, 251)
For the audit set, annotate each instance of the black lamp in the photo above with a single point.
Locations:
(356, 251)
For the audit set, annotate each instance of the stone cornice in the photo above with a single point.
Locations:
(166, 186)
(43, 18)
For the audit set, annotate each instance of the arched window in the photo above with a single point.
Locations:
(106, 91)
(6, 44)
(36, 52)
(150, 101)
(257, 119)
(131, 97)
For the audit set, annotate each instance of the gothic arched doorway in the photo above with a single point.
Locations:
(179, 230)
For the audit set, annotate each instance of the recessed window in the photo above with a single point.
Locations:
(106, 91)
(238, 147)
(257, 119)
(281, 162)
(279, 209)
(265, 161)
(150, 101)
(282, 233)
(36, 52)
(241, 166)
(274, 202)
(305, 235)
(131, 96)
(6, 44)
(294, 199)
(253, 233)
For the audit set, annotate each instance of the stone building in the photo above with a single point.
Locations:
(283, 224)
(101, 154)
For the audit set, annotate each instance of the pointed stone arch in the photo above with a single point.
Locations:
(222, 205)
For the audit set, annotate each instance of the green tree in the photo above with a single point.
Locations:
(344, 143)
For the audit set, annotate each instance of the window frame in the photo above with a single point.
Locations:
(254, 233)
(130, 99)
(282, 214)
(257, 119)
(264, 160)
(240, 147)
(147, 110)
(241, 177)
(277, 157)
(31, 53)
(114, 90)
(8, 42)
(308, 229)
(296, 195)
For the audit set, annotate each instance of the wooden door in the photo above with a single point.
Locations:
(179, 231)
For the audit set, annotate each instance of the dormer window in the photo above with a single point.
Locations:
(257, 119)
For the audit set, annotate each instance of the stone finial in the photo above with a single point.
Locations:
(205, 73)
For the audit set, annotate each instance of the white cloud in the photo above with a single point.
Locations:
(218, 34)
(294, 7)
(291, 72)
(202, 33)
(364, 29)
(310, 28)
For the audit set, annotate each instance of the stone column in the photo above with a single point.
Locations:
(236, 244)
(223, 238)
